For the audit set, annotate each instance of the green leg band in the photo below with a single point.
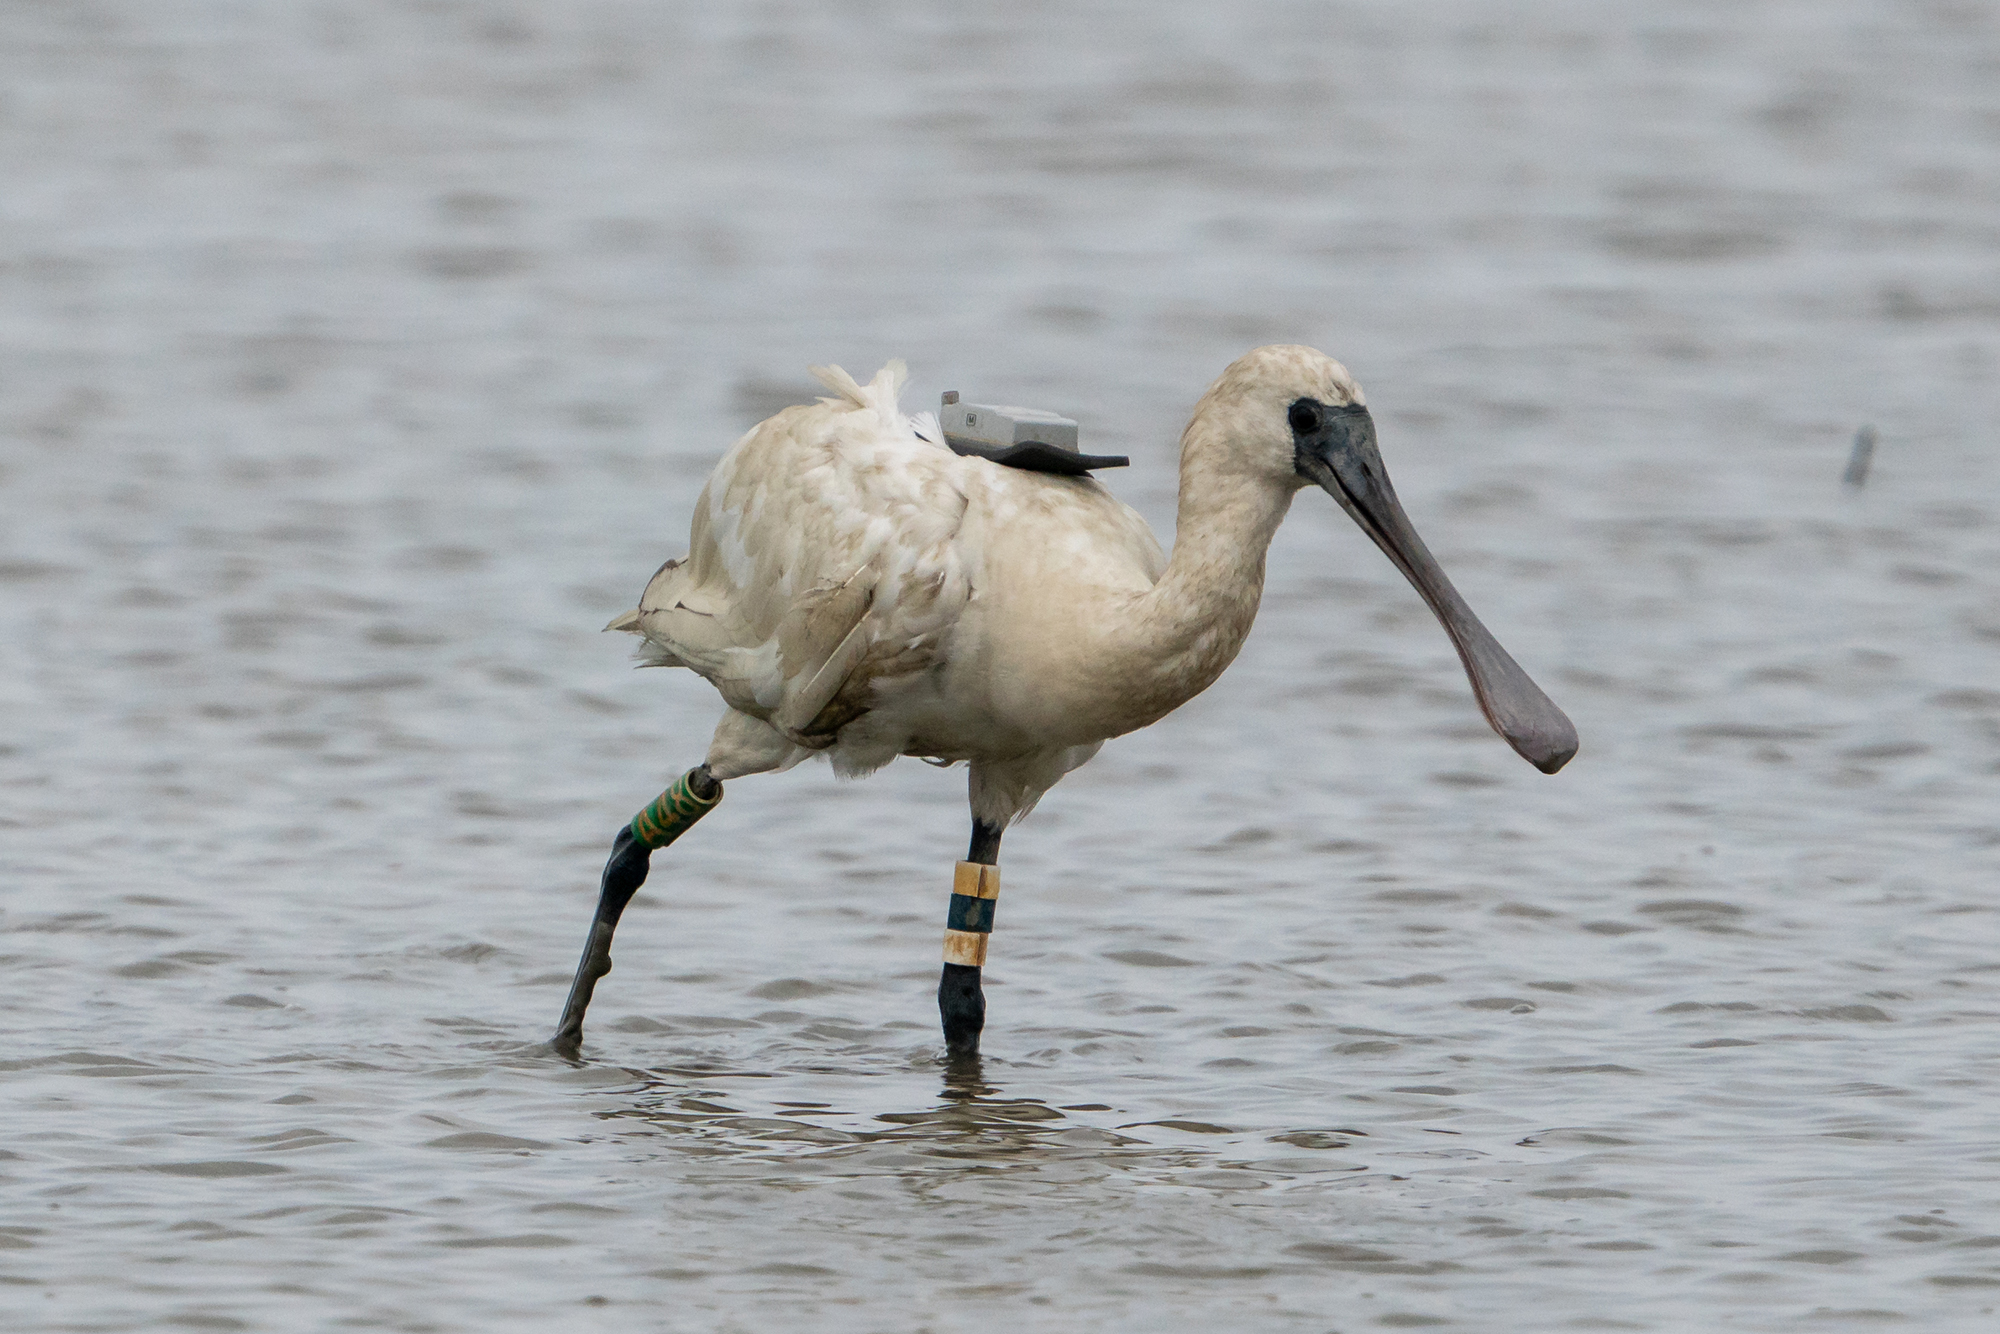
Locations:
(672, 813)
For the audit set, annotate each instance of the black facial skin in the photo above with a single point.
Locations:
(1333, 447)
(1321, 431)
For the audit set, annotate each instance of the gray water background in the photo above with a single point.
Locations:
(358, 360)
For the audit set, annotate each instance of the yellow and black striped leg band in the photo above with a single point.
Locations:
(975, 890)
(673, 813)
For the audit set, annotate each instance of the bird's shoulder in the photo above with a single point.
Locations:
(1072, 523)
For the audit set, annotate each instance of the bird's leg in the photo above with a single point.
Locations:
(671, 814)
(974, 890)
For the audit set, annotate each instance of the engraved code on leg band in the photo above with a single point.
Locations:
(966, 947)
(671, 814)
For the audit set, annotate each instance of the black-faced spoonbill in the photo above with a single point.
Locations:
(854, 588)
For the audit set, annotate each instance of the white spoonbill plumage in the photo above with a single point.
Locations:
(854, 587)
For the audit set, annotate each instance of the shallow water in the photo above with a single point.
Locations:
(361, 359)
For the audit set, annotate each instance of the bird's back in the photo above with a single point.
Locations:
(833, 557)
(821, 553)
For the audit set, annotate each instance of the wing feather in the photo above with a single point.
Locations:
(821, 560)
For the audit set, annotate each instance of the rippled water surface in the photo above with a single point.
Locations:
(358, 360)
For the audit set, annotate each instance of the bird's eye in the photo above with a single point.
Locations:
(1304, 416)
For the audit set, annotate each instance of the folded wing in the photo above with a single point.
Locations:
(821, 565)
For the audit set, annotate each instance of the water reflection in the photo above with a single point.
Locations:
(780, 1123)
(971, 1120)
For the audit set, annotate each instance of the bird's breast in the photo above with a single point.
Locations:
(1059, 571)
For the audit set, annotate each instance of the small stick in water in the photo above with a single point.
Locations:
(1856, 475)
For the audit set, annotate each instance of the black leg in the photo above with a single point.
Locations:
(985, 847)
(623, 875)
(961, 1002)
(962, 1006)
(692, 797)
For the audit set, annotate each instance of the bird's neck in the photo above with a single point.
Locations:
(1195, 619)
